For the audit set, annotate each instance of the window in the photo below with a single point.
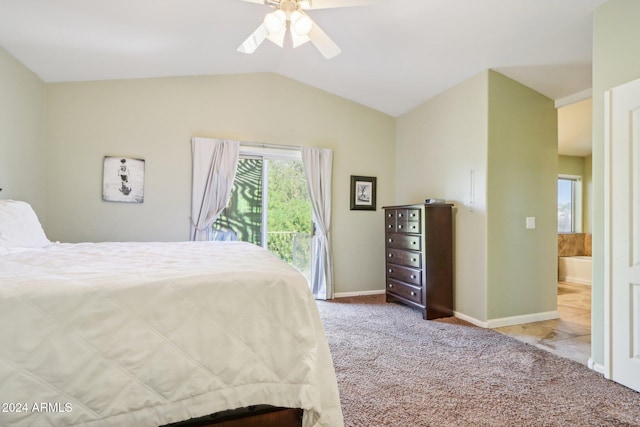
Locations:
(270, 206)
(569, 204)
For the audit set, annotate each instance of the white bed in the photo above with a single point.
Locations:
(146, 334)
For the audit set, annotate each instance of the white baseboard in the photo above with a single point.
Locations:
(525, 318)
(596, 367)
(492, 323)
(577, 280)
(509, 321)
(357, 293)
(470, 319)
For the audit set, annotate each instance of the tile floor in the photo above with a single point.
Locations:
(570, 335)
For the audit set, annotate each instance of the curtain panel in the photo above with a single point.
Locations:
(214, 168)
(317, 164)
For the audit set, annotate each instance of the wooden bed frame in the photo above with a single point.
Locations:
(253, 416)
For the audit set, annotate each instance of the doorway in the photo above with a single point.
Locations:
(574, 228)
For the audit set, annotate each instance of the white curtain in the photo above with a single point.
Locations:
(214, 169)
(317, 168)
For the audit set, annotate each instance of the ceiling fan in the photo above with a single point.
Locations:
(290, 14)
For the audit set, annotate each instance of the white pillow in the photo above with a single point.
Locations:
(19, 226)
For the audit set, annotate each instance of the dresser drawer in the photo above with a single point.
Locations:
(391, 225)
(402, 216)
(412, 227)
(413, 221)
(408, 258)
(403, 241)
(408, 275)
(409, 292)
(413, 215)
(391, 220)
(403, 220)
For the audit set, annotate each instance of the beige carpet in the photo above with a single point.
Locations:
(395, 369)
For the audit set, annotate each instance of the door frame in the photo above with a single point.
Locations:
(609, 343)
(608, 99)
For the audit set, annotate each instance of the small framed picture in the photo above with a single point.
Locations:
(123, 180)
(363, 193)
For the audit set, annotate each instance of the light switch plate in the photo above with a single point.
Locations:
(531, 222)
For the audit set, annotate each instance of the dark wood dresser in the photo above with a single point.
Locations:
(419, 257)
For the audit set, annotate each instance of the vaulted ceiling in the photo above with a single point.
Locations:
(396, 54)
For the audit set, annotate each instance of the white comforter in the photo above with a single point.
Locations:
(144, 334)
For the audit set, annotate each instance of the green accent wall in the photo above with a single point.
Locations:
(489, 145)
(615, 62)
(521, 182)
(571, 165)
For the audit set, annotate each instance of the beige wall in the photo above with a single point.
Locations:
(154, 119)
(438, 145)
(22, 134)
(615, 61)
(521, 182)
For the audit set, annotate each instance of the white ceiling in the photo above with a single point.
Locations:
(396, 54)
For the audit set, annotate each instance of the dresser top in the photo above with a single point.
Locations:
(419, 205)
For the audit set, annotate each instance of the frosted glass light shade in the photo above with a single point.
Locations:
(300, 23)
(275, 22)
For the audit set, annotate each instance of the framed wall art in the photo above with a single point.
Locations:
(123, 180)
(363, 193)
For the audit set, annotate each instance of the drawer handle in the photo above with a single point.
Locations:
(413, 214)
(390, 240)
(412, 259)
(390, 285)
(389, 226)
(400, 226)
(390, 255)
(391, 270)
(413, 242)
(413, 276)
(400, 215)
(413, 294)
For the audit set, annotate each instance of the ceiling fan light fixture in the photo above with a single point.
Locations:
(275, 22)
(300, 23)
(289, 14)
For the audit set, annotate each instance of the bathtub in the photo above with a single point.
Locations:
(575, 269)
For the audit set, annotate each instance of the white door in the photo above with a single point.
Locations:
(622, 233)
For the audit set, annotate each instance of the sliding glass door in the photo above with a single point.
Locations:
(270, 207)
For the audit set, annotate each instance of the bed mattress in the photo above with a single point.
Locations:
(146, 334)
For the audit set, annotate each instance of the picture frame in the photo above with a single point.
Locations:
(363, 193)
(123, 179)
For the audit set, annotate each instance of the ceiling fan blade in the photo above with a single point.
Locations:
(322, 42)
(267, 2)
(298, 39)
(254, 40)
(277, 38)
(327, 4)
